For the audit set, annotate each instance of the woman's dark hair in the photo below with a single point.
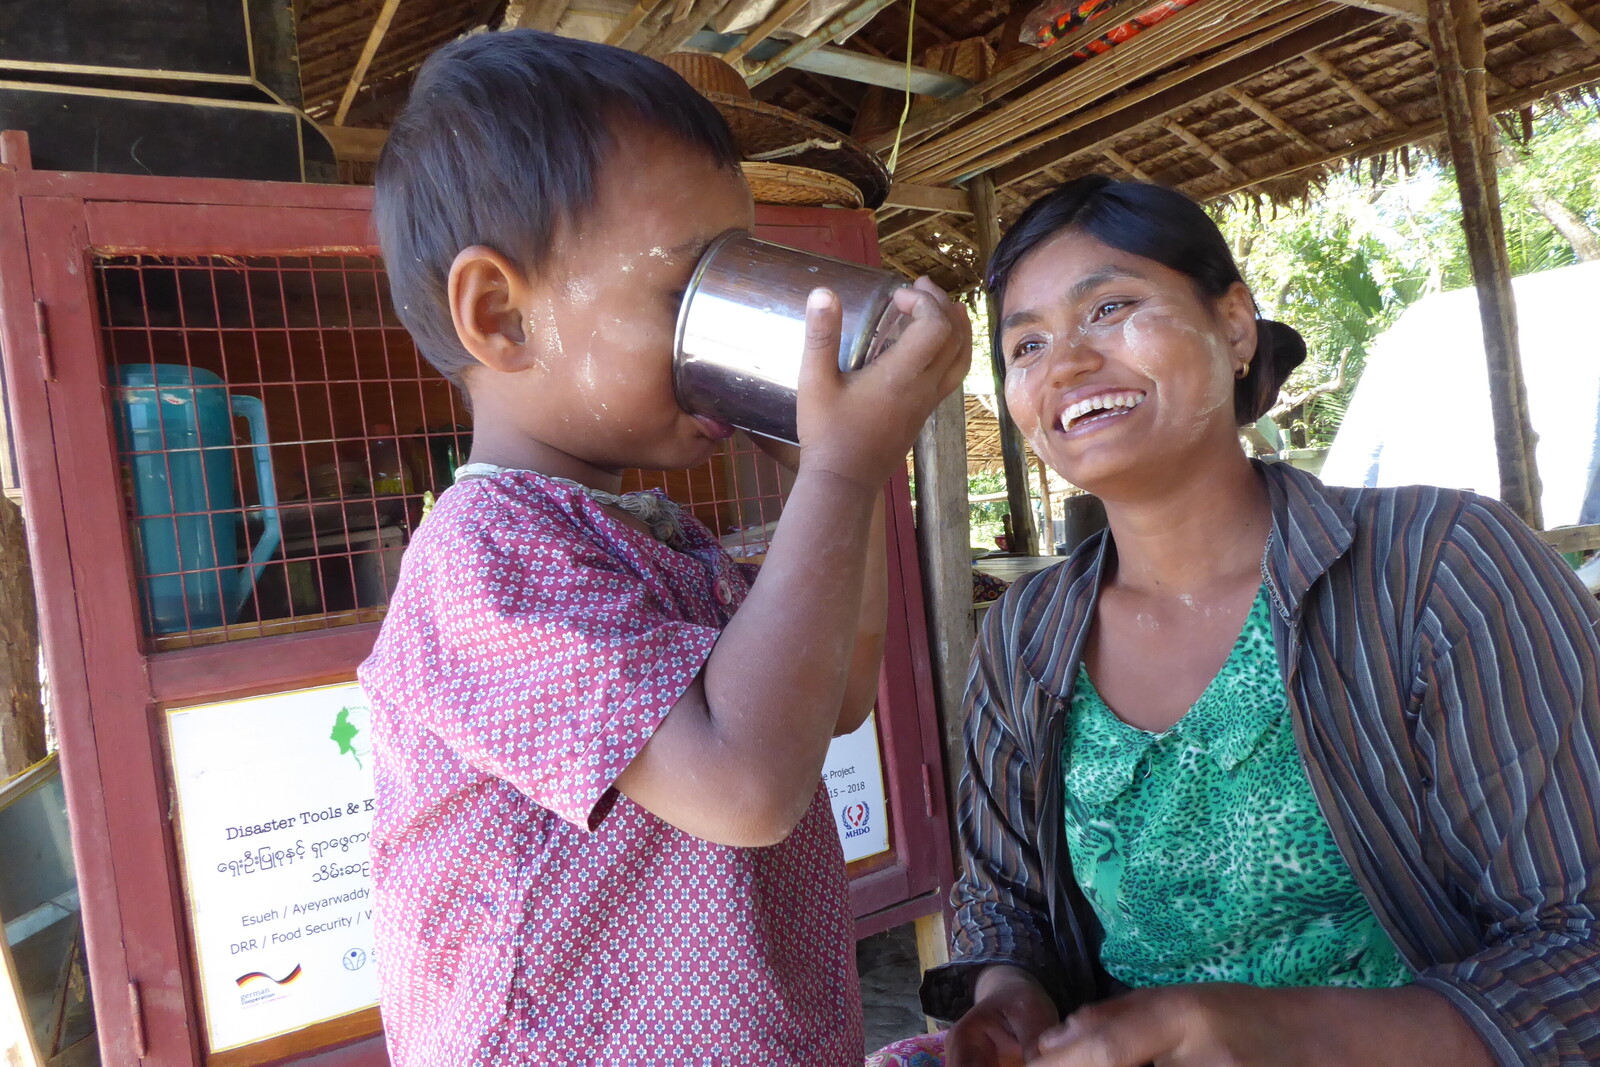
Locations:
(501, 142)
(1158, 224)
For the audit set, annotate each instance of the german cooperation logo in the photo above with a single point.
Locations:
(259, 987)
(856, 818)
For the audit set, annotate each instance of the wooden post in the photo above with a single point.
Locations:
(943, 540)
(22, 733)
(1455, 28)
(933, 949)
(1024, 539)
(1048, 534)
(22, 728)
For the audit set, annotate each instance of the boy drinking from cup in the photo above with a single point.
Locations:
(601, 835)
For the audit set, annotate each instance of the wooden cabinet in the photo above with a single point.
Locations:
(267, 572)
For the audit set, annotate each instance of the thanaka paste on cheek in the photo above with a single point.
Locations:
(1016, 379)
(551, 340)
(1142, 342)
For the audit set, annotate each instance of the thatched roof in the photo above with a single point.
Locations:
(1258, 97)
(333, 36)
(1268, 115)
(983, 434)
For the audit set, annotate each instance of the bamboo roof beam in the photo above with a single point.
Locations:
(676, 33)
(937, 199)
(930, 119)
(1351, 89)
(898, 265)
(1261, 52)
(849, 20)
(785, 11)
(1271, 118)
(1128, 165)
(542, 15)
(1127, 111)
(1075, 150)
(825, 87)
(1198, 143)
(355, 144)
(1420, 132)
(904, 225)
(640, 11)
(934, 254)
(1573, 21)
(380, 27)
(336, 60)
(1088, 99)
(975, 146)
(396, 59)
(1410, 10)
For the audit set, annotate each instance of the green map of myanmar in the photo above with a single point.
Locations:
(344, 735)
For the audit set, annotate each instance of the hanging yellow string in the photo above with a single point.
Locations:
(905, 111)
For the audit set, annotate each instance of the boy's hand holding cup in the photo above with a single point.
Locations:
(860, 424)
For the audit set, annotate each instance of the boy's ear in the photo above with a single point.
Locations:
(487, 295)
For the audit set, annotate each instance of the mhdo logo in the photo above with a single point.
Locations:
(855, 818)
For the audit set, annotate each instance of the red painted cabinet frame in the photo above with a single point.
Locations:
(108, 692)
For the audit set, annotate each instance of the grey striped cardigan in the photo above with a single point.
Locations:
(1443, 672)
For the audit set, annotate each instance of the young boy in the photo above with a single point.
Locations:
(601, 836)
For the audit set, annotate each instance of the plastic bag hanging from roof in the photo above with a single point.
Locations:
(1055, 19)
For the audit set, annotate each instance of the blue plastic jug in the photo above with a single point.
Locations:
(177, 430)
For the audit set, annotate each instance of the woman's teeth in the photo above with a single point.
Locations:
(1112, 402)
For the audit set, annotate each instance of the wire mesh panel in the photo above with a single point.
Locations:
(739, 494)
(277, 431)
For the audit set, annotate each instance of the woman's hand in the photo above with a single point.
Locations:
(1181, 1026)
(1245, 1026)
(1010, 1012)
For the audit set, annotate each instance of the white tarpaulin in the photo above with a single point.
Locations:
(1420, 414)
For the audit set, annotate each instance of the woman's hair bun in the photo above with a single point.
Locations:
(1279, 350)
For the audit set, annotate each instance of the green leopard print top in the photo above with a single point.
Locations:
(1202, 849)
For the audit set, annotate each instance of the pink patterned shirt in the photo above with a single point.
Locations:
(526, 912)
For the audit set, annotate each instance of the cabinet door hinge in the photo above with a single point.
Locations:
(136, 1007)
(47, 356)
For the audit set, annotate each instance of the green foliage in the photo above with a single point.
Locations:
(1341, 267)
(987, 519)
(1328, 271)
(1560, 162)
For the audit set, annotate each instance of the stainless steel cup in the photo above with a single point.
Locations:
(742, 328)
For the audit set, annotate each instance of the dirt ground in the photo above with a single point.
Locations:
(890, 975)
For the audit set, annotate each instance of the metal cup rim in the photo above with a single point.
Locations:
(688, 298)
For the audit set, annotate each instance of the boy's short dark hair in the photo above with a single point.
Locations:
(501, 142)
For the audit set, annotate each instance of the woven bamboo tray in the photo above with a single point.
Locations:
(780, 183)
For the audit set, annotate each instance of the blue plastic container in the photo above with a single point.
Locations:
(176, 424)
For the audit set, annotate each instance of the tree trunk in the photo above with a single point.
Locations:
(1584, 241)
(1455, 31)
(1022, 538)
(22, 733)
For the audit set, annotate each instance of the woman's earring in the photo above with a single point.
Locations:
(1244, 369)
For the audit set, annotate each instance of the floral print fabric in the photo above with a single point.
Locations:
(1202, 849)
(527, 913)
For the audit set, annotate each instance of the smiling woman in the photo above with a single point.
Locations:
(1268, 772)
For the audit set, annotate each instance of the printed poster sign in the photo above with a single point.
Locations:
(853, 773)
(274, 808)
